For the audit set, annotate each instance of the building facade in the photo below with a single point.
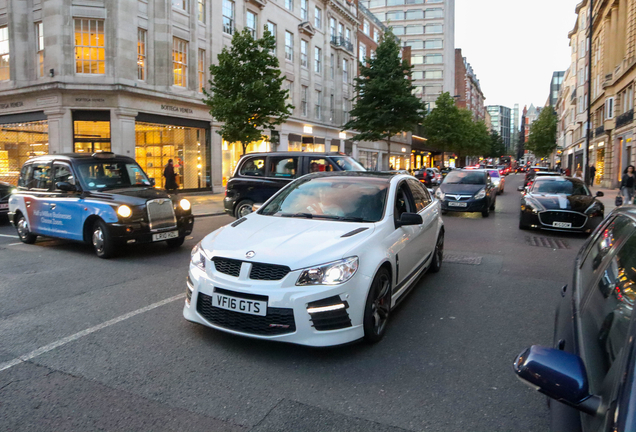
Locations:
(514, 129)
(129, 77)
(555, 86)
(468, 92)
(500, 122)
(428, 28)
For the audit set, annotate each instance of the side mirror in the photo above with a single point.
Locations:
(256, 206)
(599, 194)
(431, 191)
(152, 182)
(409, 219)
(65, 186)
(521, 188)
(559, 375)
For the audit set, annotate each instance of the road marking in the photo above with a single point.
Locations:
(14, 244)
(10, 236)
(73, 337)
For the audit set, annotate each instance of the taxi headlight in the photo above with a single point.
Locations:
(481, 194)
(124, 211)
(185, 204)
(197, 257)
(333, 273)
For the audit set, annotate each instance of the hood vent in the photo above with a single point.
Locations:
(354, 232)
(238, 222)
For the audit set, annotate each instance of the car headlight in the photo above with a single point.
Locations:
(185, 204)
(439, 194)
(124, 211)
(14, 190)
(332, 273)
(197, 257)
(481, 194)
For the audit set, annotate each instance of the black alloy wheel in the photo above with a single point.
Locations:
(243, 208)
(175, 242)
(378, 307)
(23, 231)
(438, 254)
(486, 212)
(522, 226)
(492, 206)
(102, 241)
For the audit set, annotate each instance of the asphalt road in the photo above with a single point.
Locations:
(89, 344)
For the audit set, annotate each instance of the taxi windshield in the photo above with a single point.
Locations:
(102, 175)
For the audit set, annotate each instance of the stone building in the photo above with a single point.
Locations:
(468, 92)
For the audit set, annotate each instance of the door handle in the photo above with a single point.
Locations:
(52, 206)
(28, 203)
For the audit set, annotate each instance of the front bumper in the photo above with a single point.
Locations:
(288, 319)
(472, 205)
(532, 220)
(134, 233)
(228, 205)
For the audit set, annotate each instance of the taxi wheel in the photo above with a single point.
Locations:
(377, 307)
(23, 231)
(101, 240)
(175, 242)
(244, 208)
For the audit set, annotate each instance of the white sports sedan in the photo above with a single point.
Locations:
(322, 262)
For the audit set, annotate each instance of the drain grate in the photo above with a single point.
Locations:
(462, 259)
(548, 242)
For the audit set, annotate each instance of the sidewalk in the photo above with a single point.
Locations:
(205, 203)
(608, 199)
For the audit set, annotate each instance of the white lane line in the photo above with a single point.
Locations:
(14, 244)
(73, 337)
(10, 236)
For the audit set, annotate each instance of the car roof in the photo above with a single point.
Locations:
(548, 174)
(558, 178)
(77, 157)
(388, 176)
(295, 153)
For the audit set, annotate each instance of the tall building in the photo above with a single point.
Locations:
(514, 129)
(468, 92)
(555, 85)
(83, 76)
(500, 122)
(428, 27)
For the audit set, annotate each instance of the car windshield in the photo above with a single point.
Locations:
(465, 177)
(566, 187)
(347, 164)
(101, 175)
(351, 199)
(493, 173)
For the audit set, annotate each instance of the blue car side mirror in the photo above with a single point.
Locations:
(559, 375)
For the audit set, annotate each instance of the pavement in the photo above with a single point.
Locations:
(206, 203)
(608, 199)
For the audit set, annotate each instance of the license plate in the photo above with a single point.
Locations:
(165, 235)
(4, 206)
(457, 204)
(562, 224)
(236, 304)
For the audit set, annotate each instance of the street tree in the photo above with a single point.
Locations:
(385, 104)
(246, 89)
(497, 147)
(542, 139)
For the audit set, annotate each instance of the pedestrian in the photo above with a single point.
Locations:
(579, 174)
(592, 172)
(567, 172)
(627, 184)
(171, 178)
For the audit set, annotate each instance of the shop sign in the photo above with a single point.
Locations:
(176, 109)
(11, 105)
(89, 99)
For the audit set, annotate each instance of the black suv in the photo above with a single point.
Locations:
(258, 176)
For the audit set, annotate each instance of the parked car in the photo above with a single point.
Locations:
(427, 176)
(438, 176)
(561, 204)
(102, 199)
(5, 192)
(590, 370)
(258, 176)
(468, 191)
(323, 262)
(498, 180)
(446, 170)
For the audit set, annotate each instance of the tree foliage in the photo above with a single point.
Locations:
(452, 129)
(497, 147)
(245, 89)
(385, 105)
(542, 139)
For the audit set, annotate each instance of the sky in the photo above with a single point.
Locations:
(514, 46)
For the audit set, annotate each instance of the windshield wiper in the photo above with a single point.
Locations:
(299, 215)
(341, 218)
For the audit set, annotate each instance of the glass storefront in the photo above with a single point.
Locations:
(156, 143)
(368, 159)
(18, 143)
(600, 165)
(232, 152)
(91, 136)
(307, 147)
(420, 160)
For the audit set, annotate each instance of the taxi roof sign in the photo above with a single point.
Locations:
(103, 155)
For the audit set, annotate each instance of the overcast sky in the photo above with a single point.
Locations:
(514, 46)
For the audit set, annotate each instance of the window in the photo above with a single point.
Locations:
(180, 4)
(141, 54)
(272, 29)
(434, 74)
(283, 167)
(395, 16)
(41, 176)
(398, 30)
(318, 104)
(317, 60)
(318, 18)
(420, 196)
(320, 165)
(201, 70)
(414, 29)
(180, 62)
(39, 42)
(433, 59)
(609, 108)
(303, 100)
(289, 46)
(303, 53)
(362, 53)
(414, 14)
(228, 16)
(62, 173)
(253, 167)
(434, 13)
(347, 108)
(376, 35)
(433, 44)
(348, 34)
(89, 46)
(380, 15)
(372, 55)
(345, 71)
(332, 66)
(417, 75)
(289, 4)
(332, 27)
(415, 44)
(365, 27)
(251, 22)
(340, 30)
(417, 59)
(332, 108)
(433, 28)
(304, 15)
(290, 95)
(201, 10)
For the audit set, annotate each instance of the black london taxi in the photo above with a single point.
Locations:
(258, 176)
(102, 199)
(5, 192)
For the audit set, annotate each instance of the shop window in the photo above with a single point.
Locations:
(232, 153)
(283, 167)
(4, 54)
(18, 143)
(91, 136)
(180, 62)
(89, 46)
(156, 143)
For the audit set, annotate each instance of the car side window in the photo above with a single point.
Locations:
(320, 165)
(403, 201)
(25, 176)
(62, 173)
(606, 315)
(253, 167)
(41, 178)
(420, 196)
(285, 167)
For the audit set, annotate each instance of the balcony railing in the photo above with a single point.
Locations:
(599, 131)
(625, 118)
(340, 41)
